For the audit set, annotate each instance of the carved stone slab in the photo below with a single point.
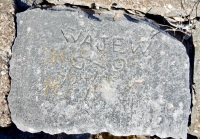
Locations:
(77, 73)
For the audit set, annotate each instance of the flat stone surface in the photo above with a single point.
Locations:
(7, 34)
(77, 73)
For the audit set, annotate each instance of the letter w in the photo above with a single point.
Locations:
(71, 39)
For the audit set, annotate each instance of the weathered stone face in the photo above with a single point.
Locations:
(77, 73)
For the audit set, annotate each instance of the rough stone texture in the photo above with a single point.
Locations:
(195, 116)
(158, 7)
(167, 8)
(7, 26)
(77, 73)
(7, 33)
(4, 89)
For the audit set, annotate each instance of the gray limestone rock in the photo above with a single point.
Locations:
(75, 72)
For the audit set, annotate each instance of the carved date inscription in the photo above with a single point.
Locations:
(98, 61)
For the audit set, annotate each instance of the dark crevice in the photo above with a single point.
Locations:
(129, 18)
(191, 137)
(21, 6)
(13, 132)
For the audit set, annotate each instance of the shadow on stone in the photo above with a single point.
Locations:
(21, 6)
(13, 132)
(129, 18)
(191, 137)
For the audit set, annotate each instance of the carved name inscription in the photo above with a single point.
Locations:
(94, 52)
(75, 74)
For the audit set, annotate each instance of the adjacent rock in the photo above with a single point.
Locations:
(7, 34)
(4, 89)
(167, 8)
(106, 135)
(7, 25)
(75, 72)
(195, 116)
